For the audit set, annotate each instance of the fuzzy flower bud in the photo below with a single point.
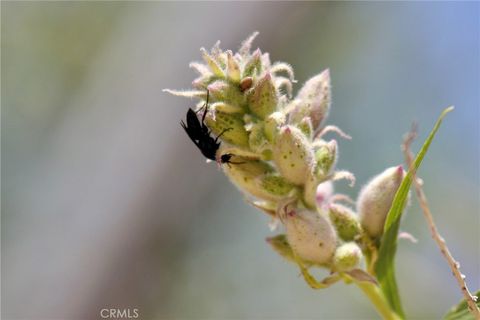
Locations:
(263, 98)
(257, 140)
(326, 158)
(375, 199)
(324, 194)
(273, 124)
(313, 101)
(292, 154)
(233, 124)
(258, 179)
(345, 221)
(347, 256)
(310, 235)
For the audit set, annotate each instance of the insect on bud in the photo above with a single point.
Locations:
(345, 221)
(347, 256)
(375, 199)
(310, 235)
(263, 98)
(292, 154)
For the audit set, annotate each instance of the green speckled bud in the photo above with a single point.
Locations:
(236, 135)
(257, 178)
(257, 140)
(347, 257)
(245, 176)
(254, 64)
(275, 185)
(293, 155)
(313, 101)
(345, 221)
(310, 189)
(311, 236)
(375, 199)
(273, 123)
(212, 64)
(326, 157)
(262, 100)
(233, 69)
(222, 91)
(306, 126)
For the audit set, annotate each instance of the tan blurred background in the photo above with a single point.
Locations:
(107, 204)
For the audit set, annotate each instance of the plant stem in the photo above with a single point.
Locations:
(375, 295)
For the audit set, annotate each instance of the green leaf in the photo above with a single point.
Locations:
(384, 268)
(460, 311)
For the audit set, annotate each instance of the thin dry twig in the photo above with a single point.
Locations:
(454, 265)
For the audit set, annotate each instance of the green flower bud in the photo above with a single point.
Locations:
(263, 98)
(310, 189)
(375, 199)
(212, 64)
(258, 179)
(293, 155)
(233, 69)
(257, 140)
(310, 235)
(312, 101)
(273, 123)
(253, 65)
(276, 186)
(222, 91)
(221, 121)
(245, 176)
(326, 158)
(306, 126)
(345, 221)
(347, 257)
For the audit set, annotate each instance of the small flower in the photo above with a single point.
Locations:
(347, 257)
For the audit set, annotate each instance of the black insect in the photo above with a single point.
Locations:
(200, 135)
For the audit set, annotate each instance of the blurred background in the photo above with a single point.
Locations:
(107, 203)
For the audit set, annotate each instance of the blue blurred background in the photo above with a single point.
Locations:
(106, 202)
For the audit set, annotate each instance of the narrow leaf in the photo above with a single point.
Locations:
(460, 311)
(384, 268)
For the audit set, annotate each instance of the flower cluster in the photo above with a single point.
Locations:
(282, 161)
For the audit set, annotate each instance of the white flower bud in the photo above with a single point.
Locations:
(375, 199)
(310, 235)
(293, 154)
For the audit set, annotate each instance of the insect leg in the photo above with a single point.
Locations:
(206, 107)
(225, 130)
